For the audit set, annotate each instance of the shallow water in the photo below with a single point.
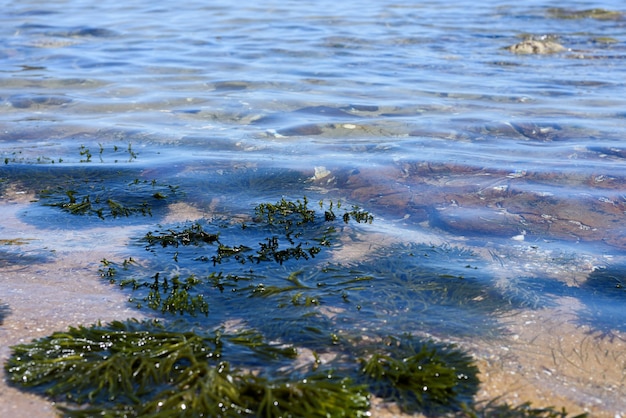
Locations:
(416, 113)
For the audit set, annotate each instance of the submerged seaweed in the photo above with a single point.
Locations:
(421, 375)
(137, 197)
(600, 292)
(91, 191)
(4, 311)
(199, 267)
(145, 369)
(260, 277)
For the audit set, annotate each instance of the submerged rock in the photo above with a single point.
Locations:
(597, 13)
(534, 46)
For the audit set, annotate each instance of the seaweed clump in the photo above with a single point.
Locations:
(148, 369)
(421, 375)
(137, 197)
(195, 264)
(145, 369)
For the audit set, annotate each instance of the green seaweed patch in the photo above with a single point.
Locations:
(421, 375)
(146, 368)
(198, 269)
(194, 264)
(137, 197)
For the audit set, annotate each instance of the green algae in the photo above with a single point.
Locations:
(4, 311)
(146, 369)
(92, 191)
(137, 197)
(208, 274)
(207, 260)
(223, 271)
(421, 375)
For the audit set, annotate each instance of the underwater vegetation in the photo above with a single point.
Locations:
(89, 186)
(85, 154)
(149, 369)
(138, 197)
(145, 369)
(279, 267)
(418, 376)
(4, 311)
(195, 262)
(602, 293)
(259, 320)
(93, 191)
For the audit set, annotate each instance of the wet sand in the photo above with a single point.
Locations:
(40, 299)
(550, 361)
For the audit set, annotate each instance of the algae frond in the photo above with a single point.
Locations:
(421, 375)
(144, 369)
(4, 311)
(137, 197)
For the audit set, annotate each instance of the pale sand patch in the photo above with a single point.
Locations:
(550, 361)
(63, 290)
(67, 292)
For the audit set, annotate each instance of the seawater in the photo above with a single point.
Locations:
(417, 113)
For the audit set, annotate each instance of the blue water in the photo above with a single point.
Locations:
(414, 111)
